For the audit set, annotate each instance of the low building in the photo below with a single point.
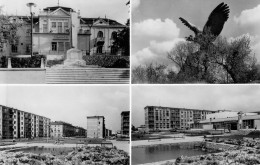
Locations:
(167, 118)
(125, 124)
(231, 120)
(15, 123)
(62, 129)
(96, 127)
(108, 132)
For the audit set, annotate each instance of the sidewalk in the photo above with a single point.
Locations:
(141, 143)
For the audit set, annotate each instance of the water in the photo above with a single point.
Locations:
(40, 150)
(161, 153)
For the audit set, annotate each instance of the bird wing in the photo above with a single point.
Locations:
(217, 19)
(189, 25)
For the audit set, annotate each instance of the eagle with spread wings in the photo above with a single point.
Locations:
(214, 25)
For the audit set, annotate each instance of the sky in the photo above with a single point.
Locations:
(113, 9)
(71, 104)
(208, 97)
(156, 27)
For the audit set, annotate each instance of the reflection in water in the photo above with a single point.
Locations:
(40, 150)
(162, 152)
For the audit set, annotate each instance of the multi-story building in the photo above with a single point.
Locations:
(79, 131)
(57, 29)
(125, 124)
(166, 118)
(15, 123)
(62, 129)
(96, 126)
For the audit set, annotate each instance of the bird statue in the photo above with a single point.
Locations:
(213, 26)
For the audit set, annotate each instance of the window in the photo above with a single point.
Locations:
(114, 35)
(54, 46)
(14, 48)
(66, 27)
(45, 28)
(28, 49)
(100, 34)
(53, 24)
(59, 27)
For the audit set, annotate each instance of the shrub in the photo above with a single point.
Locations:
(18, 62)
(107, 61)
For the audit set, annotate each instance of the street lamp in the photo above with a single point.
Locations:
(30, 6)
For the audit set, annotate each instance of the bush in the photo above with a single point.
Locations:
(17, 62)
(51, 63)
(107, 61)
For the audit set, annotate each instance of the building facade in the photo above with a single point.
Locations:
(231, 120)
(15, 123)
(60, 129)
(125, 124)
(167, 118)
(108, 132)
(96, 127)
(57, 29)
(79, 131)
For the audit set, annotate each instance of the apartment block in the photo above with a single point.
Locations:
(96, 126)
(62, 129)
(125, 124)
(166, 118)
(15, 123)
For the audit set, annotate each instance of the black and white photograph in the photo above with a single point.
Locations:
(64, 42)
(200, 41)
(64, 125)
(195, 125)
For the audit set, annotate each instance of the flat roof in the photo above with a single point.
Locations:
(248, 117)
(181, 108)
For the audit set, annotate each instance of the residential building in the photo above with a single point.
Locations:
(79, 131)
(125, 124)
(15, 123)
(167, 118)
(57, 29)
(108, 132)
(96, 127)
(62, 129)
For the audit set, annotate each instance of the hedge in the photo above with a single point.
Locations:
(108, 61)
(22, 62)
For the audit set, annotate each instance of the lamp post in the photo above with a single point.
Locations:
(30, 6)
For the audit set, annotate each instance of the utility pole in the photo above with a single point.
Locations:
(30, 6)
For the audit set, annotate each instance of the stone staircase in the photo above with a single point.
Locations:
(87, 76)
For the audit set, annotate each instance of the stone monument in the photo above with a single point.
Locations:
(74, 58)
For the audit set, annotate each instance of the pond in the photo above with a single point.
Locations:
(40, 150)
(164, 152)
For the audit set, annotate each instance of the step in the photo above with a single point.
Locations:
(87, 76)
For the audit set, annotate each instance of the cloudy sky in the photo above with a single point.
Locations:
(113, 9)
(71, 104)
(218, 97)
(156, 27)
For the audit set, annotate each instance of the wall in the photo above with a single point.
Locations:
(22, 76)
(257, 124)
(208, 126)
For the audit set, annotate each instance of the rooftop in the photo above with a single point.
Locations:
(180, 108)
(68, 9)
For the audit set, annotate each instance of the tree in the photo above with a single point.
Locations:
(236, 58)
(8, 29)
(122, 41)
(218, 62)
